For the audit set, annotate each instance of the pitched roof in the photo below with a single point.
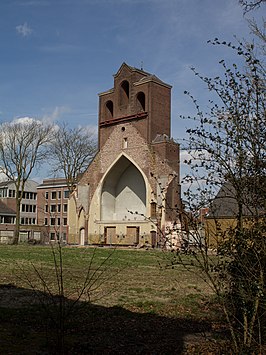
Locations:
(5, 210)
(146, 76)
(225, 204)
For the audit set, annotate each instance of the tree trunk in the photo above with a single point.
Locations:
(17, 225)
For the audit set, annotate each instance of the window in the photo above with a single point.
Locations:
(33, 220)
(3, 192)
(22, 207)
(11, 193)
(7, 220)
(52, 236)
(53, 195)
(58, 221)
(34, 208)
(65, 221)
(58, 208)
(125, 143)
(46, 221)
(66, 194)
(65, 207)
(59, 194)
(64, 236)
(26, 195)
(22, 221)
(52, 221)
(53, 208)
(46, 208)
(28, 208)
(46, 195)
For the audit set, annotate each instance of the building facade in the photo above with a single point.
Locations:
(52, 211)
(131, 190)
(28, 213)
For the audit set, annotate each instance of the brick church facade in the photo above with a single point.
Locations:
(131, 191)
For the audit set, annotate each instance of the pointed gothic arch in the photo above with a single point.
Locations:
(123, 191)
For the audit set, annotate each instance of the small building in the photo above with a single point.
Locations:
(131, 190)
(52, 211)
(224, 212)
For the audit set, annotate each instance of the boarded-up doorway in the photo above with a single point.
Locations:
(153, 239)
(82, 236)
(109, 235)
(133, 235)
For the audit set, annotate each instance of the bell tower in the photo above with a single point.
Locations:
(138, 98)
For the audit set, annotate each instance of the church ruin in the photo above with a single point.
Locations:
(131, 190)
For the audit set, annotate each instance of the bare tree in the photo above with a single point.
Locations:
(228, 153)
(71, 151)
(23, 146)
(249, 5)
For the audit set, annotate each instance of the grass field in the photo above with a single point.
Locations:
(136, 302)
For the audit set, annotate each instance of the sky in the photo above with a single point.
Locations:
(57, 55)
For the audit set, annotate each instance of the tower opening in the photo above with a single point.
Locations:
(124, 93)
(109, 109)
(141, 101)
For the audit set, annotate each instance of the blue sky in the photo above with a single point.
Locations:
(57, 55)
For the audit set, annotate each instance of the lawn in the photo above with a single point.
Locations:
(133, 302)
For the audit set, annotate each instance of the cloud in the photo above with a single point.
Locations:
(24, 120)
(47, 118)
(56, 113)
(24, 30)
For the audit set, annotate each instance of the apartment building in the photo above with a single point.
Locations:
(52, 196)
(28, 216)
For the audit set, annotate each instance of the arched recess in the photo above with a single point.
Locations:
(124, 93)
(123, 191)
(140, 101)
(109, 110)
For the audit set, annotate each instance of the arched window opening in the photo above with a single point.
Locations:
(125, 143)
(124, 93)
(109, 109)
(141, 101)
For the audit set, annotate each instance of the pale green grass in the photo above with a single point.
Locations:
(134, 279)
